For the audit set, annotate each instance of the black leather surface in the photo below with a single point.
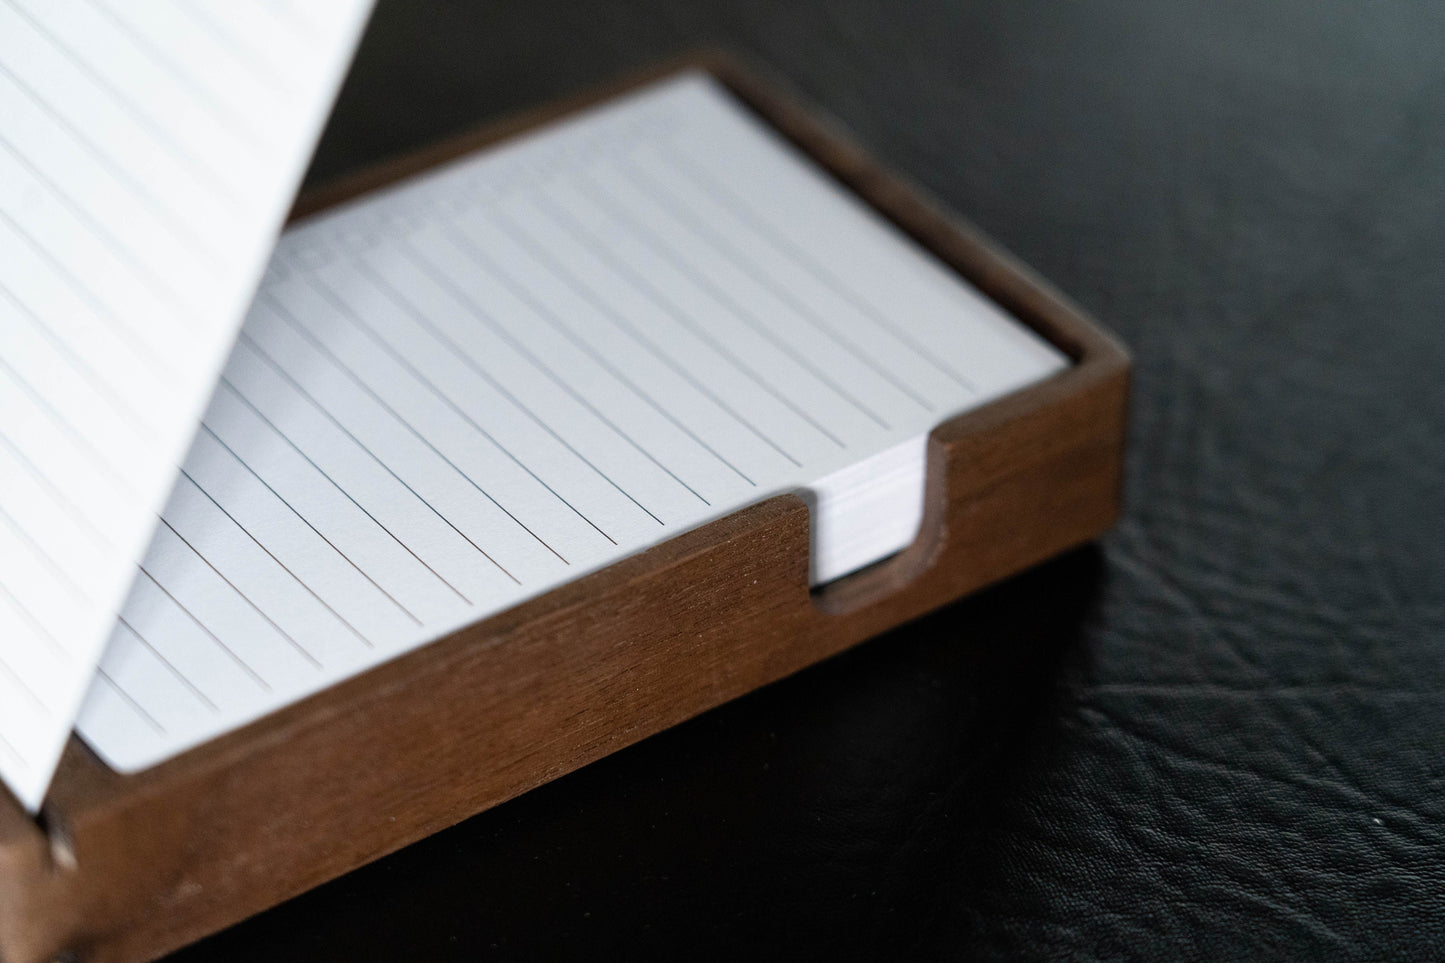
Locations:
(1220, 733)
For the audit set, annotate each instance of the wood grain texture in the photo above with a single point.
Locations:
(129, 867)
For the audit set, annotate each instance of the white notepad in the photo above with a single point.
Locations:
(485, 382)
(463, 392)
(149, 150)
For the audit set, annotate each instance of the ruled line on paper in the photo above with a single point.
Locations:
(14, 754)
(532, 358)
(460, 296)
(281, 312)
(680, 210)
(552, 318)
(149, 200)
(170, 667)
(128, 329)
(57, 497)
(740, 207)
(252, 59)
(39, 553)
(145, 167)
(331, 417)
(307, 522)
(484, 262)
(226, 383)
(250, 602)
(115, 245)
(195, 620)
(360, 637)
(485, 317)
(160, 54)
(621, 321)
(129, 700)
(18, 607)
(430, 387)
(18, 682)
(655, 244)
(87, 372)
(717, 293)
(153, 126)
(76, 435)
(666, 202)
(270, 362)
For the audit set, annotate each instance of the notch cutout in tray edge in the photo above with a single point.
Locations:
(866, 512)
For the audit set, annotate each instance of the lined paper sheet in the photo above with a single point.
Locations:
(458, 394)
(148, 152)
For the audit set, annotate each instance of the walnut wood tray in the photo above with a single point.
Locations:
(126, 868)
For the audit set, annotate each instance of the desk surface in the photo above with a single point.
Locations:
(1221, 731)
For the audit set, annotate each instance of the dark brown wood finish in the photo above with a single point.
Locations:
(125, 868)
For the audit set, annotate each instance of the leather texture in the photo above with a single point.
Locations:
(1218, 734)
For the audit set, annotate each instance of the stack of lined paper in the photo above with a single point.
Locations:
(446, 398)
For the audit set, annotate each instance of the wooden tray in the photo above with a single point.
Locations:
(126, 868)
